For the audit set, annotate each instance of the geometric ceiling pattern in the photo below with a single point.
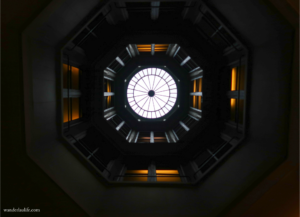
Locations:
(212, 135)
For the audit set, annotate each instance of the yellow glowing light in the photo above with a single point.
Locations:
(160, 178)
(157, 47)
(233, 79)
(135, 178)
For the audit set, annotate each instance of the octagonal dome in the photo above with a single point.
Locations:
(219, 52)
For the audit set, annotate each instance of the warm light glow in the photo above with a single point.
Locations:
(161, 47)
(75, 114)
(232, 109)
(144, 137)
(159, 174)
(194, 97)
(197, 87)
(75, 109)
(233, 79)
(232, 103)
(152, 93)
(144, 47)
(109, 97)
(199, 102)
(157, 47)
(158, 138)
(75, 78)
(136, 172)
(174, 172)
(65, 110)
(199, 90)
(200, 85)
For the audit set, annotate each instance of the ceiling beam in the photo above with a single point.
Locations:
(152, 49)
(176, 51)
(128, 134)
(151, 137)
(120, 125)
(187, 9)
(196, 93)
(171, 50)
(110, 17)
(175, 135)
(137, 136)
(124, 11)
(185, 60)
(109, 93)
(109, 70)
(129, 53)
(120, 61)
(155, 11)
(191, 116)
(184, 126)
(167, 137)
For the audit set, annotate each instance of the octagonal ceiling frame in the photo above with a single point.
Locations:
(246, 52)
(31, 140)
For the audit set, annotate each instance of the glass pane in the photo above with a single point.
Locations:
(152, 92)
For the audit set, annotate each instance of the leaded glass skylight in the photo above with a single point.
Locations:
(152, 93)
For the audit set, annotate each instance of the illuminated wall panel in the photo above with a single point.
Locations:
(161, 47)
(108, 100)
(75, 78)
(136, 172)
(160, 173)
(233, 79)
(232, 109)
(234, 105)
(157, 47)
(144, 47)
(237, 83)
(74, 110)
(197, 87)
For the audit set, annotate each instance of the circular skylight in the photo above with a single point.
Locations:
(152, 93)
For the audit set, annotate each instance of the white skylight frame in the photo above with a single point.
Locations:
(164, 86)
